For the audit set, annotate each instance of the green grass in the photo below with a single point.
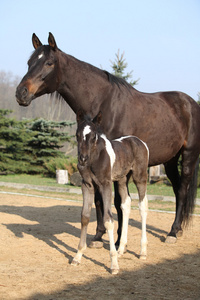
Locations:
(152, 189)
(30, 179)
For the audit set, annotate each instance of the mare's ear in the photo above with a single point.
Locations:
(51, 41)
(79, 116)
(36, 42)
(98, 118)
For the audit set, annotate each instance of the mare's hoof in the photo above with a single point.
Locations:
(170, 239)
(75, 262)
(96, 244)
(143, 257)
(114, 271)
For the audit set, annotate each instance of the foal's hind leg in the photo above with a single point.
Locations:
(143, 207)
(186, 195)
(126, 207)
(140, 180)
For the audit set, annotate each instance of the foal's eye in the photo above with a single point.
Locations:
(49, 63)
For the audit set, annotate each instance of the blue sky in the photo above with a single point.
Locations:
(160, 38)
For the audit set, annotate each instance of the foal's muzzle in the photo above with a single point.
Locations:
(83, 159)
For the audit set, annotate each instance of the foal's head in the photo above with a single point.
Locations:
(87, 136)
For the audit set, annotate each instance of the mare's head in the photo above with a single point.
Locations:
(42, 76)
(87, 136)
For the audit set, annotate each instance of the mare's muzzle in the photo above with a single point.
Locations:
(23, 96)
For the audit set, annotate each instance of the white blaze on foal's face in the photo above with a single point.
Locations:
(86, 131)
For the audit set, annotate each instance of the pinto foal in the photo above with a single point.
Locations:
(100, 162)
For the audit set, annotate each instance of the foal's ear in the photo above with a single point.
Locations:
(79, 116)
(98, 118)
(51, 41)
(36, 42)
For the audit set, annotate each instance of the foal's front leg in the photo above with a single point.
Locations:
(109, 225)
(88, 197)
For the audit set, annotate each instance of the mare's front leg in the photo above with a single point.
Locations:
(88, 197)
(106, 192)
(97, 239)
(126, 207)
(117, 202)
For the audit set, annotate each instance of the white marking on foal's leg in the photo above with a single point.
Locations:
(143, 206)
(77, 258)
(126, 207)
(113, 252)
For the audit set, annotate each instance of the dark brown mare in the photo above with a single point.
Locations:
(168, 122)
(100, 162)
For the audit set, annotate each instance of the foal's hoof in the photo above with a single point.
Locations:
(179, 233)
(96, 244)
(75, 262)
(143, 257)
(170, 239)
(114, 271)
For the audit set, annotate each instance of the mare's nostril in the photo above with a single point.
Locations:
(24, 91)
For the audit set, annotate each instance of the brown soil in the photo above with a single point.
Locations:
(39, 238)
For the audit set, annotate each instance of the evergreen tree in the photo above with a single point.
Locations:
(119, 66)
(13, 141)
(26, 146)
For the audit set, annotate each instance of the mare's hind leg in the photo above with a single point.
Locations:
(185, 195)
(171, 169)
(126, 207)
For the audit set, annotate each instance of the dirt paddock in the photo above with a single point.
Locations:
(39, 238)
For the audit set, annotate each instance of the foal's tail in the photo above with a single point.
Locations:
(189, 204)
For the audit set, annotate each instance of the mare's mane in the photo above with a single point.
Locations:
(111, 78)
(117, 80)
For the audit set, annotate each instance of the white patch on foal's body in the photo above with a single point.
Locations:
(86, 131)
(109, 150)
(122, 138)
(128, 136)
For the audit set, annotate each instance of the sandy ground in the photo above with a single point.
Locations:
(39, 238)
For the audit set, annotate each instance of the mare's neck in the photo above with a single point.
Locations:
(80, 84)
